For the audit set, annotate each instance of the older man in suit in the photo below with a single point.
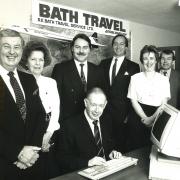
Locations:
(85, 139)
(76, 76)
(167, 59)
(118, 71)
(22, 117)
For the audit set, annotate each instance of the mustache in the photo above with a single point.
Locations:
(81, 54)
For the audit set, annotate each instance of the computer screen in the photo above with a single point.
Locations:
(165, 133)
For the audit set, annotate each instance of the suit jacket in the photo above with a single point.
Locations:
(175, 89)
(14, 132)
(70, 86)
(77, 144)
(117, 93)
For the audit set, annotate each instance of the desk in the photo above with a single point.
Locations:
(138, 172)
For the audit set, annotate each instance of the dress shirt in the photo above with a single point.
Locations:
(90, 122)
(85, 68)
(49, 95)
(168, 72)
(118, 65)
(6, 79)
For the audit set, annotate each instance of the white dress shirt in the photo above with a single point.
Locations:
(49, 95)
(85, 68)
(118, 65)
(150, 92)
(90, 122)
(6, 79)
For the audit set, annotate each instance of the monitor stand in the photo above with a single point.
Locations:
(163, 167)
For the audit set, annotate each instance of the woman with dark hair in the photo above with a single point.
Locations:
(35, 57)
(148, 91)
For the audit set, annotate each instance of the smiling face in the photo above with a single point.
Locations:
(119, 46)
(81, 50)
(166, 61)
(10, 52)
(36, 62)
(149, 61)
(95, 105)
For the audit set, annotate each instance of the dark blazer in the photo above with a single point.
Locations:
(71, 88)
(77, 144)
(117, 93)
(175, 89)
(14, 132)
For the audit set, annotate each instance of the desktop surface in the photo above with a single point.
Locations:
(138, 172)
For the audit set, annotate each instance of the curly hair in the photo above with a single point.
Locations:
(149, 49)
(35, 46)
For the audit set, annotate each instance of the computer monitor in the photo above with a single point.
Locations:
(165, 133)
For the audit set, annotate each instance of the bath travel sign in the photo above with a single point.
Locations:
(57, 15)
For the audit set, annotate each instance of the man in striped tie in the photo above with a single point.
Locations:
(86, 140)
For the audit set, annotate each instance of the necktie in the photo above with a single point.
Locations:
(165, 73)
(114, 71)
(83, 79)
(20, 101)
(98, 140)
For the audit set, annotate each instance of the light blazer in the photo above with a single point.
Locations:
(77, 144)
(14, 132)
(175, 89)
(70, 86)
(117, 93)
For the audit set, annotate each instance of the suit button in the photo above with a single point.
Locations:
(75, 102)
(72, 90)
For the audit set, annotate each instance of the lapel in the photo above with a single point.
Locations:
(123, 68)
(107, 68)
(74, 77)
(86, 128)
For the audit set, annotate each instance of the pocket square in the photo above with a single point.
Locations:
(126, 73)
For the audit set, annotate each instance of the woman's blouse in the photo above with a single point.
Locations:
(149, 91)
(50, 99)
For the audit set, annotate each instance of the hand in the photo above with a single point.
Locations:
(148, 121)
(46, 139)
(28, 154)
(96, 161)
(115, 155)
(20, 165)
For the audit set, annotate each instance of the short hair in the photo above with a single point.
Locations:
(35, 46)
(95, 90)
(11, 33)
(120, 35)
(81, 36)
(149, 49)
(168, 52)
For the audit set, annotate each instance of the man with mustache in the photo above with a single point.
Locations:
(167, 59)
(75, 77)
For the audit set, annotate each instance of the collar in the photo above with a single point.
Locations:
(90, 121)
(119, 58)
(78, 63)
(4, 72)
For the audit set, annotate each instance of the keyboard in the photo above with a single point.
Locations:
(108, 168)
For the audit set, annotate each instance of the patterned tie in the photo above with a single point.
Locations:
(83, 79)
(98, 140)
(114, 71)
(20, 101)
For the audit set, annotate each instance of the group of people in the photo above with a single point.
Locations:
(85, 114)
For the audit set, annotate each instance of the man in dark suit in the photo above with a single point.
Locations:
(76, 76)
(78, 147)
(22, 121)
(118, 71)
(167, 59)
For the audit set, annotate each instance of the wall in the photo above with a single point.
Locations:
(19, 12)
(146, 35)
